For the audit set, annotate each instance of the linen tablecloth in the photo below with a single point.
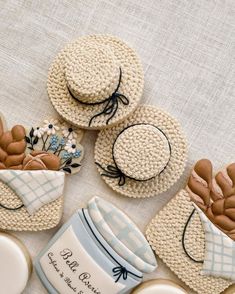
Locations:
(187, 48)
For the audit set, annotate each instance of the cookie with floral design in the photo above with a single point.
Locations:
(55, 145)
(33, 164)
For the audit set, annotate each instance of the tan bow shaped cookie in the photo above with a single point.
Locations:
(215, 195)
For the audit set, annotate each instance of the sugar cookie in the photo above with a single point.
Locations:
(15, 265)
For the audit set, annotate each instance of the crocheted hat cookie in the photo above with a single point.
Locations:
(144, 155)
(95, 81)
(32, 171)
(194, 234)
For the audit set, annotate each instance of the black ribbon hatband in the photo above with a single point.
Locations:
(114, 172)
(111, 103)
(119, 271)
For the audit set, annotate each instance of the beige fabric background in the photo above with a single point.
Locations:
(187, 49)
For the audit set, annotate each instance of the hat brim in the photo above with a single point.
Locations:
(79, 114)
(140, 189)
(164, 234)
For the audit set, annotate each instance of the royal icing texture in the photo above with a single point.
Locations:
(70, 269)
(35, 188)
(37, 160)
(12, 147)
(194, 234)
(159, 286)
(215, 196)
(15, 265)
(99, 250)
(54, 145)
(214, 200)
(165, 235)
(219, 259)
(33, 163)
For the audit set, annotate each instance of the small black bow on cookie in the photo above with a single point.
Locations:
(113, 172)
(120, 271)
(112, 103)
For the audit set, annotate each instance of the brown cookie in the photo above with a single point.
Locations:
(12, 147)
(215, 195)
(38, 160)
(1, 127)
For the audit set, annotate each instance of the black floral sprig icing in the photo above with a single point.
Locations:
(58, 139)
(31, 139)
(67, 165)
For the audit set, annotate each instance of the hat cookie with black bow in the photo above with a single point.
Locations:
(144, 155)
(95, 81)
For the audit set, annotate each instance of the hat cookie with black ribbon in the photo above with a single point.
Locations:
(144, 155)
(95, 81)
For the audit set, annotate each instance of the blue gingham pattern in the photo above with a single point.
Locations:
(122, 234)
(219, 260)
(35, 188)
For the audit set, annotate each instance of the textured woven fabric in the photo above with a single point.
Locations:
(35, 188)
(114, 107)
(114, 173)
(45, 218)
(187, 50)
(219, 260)
(165, 233)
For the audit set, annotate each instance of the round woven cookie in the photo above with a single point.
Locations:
(141, 151)
(142, 156)
(95, 82)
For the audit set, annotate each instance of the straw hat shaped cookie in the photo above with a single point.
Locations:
(144, 155)
(95, 81)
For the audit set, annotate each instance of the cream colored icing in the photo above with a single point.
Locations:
(14, 268)
(68, 266)
(159, 286)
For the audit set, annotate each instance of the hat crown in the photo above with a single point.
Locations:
(92, 72)
(141, 151)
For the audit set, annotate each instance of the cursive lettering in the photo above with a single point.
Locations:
(84, 278)
(52, 261)
(66, 253)
(72, 264)
(69, 284)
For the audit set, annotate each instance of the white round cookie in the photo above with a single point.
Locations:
(159, 286)
(15, 265)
